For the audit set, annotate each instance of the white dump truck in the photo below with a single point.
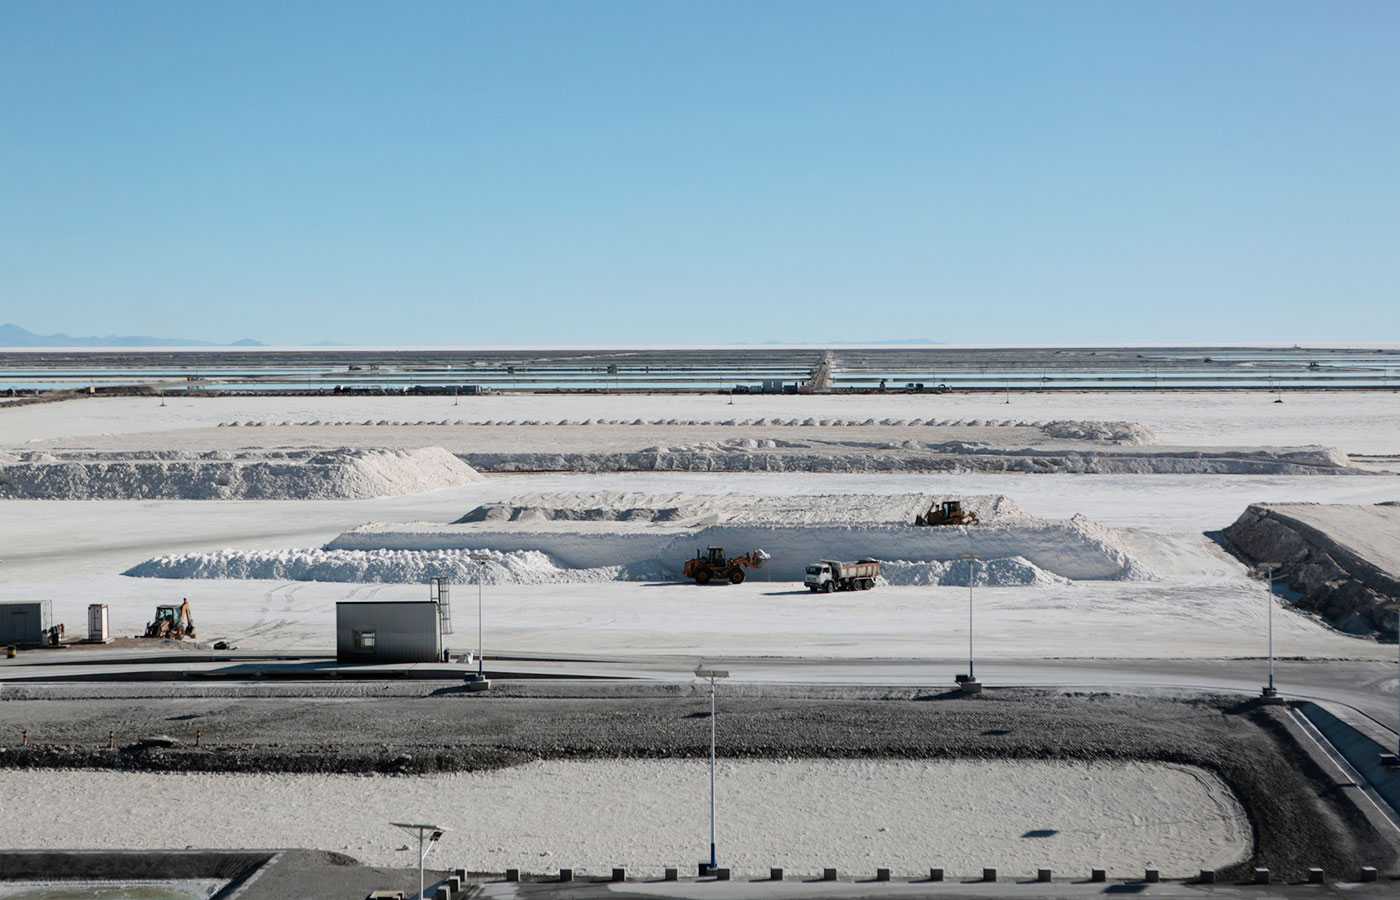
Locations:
(830, 575)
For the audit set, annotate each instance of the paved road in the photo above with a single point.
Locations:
(1370, 688)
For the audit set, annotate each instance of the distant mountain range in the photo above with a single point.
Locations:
(890, 343)
(15, 336)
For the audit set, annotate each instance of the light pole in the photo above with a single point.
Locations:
(712, 674)
(969, 683)
(481, 560)
(428, 836)
(1270, 693)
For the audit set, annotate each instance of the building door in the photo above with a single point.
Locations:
(20, 626)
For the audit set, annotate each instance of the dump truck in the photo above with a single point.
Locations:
(714, 564)
(830, 575)
(172, 622)
(946, 512)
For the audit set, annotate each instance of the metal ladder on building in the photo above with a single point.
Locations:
(439, 592)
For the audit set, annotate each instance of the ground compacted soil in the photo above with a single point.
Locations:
(408, 728)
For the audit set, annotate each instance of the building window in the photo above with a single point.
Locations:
(364, 641)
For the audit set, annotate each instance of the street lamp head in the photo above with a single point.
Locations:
(711, 673)
(969, 556)
(437, 830)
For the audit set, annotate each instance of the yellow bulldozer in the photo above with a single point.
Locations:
(946, 512)
(172, 622)
(714, 564)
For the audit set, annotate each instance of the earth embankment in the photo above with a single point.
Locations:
(1343, 559)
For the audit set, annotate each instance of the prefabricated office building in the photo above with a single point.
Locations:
(389, 631)
(25, 622)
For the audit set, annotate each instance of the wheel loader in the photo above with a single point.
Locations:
(713, 564)
(172, 622)
(947, 512)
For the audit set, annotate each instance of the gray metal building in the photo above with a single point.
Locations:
(388, 631)
(25, 621)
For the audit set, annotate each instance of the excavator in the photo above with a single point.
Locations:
(714, 564)
(947, 512)
(172, 622)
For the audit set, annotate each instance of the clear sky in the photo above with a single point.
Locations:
(614, 172)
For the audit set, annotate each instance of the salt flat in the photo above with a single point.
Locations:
(1363, 423)
(1200, 605)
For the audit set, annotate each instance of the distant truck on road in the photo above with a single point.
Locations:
(830, 575)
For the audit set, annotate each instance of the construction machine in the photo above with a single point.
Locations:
(946, 512)
(172, 622)
(714, 564)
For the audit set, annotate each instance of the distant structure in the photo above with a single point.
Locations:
(388, 631)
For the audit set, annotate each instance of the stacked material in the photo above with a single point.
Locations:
(230, 475)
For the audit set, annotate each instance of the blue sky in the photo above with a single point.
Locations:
(665, 172)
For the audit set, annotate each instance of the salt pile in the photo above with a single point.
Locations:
(1121, 432)
(525, 567)
(1009, 571)
(735, 508)
(580, 531)
(605, 536)
(770, 455)
(226, 475)
(1075, 430)
(387, 566)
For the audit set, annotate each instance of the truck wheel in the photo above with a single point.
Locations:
(866, 584)
(829, 587)
(736, 576)
(702, 576)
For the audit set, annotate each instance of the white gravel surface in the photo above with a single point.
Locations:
(802, 815)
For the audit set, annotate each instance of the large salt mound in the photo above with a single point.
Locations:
(390, 566)
(733, 509)
(1121, 432)
(222, 475)
(1010, 571)
(559, 537)
(524, 567)
(914, 456)
(1076, 548)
